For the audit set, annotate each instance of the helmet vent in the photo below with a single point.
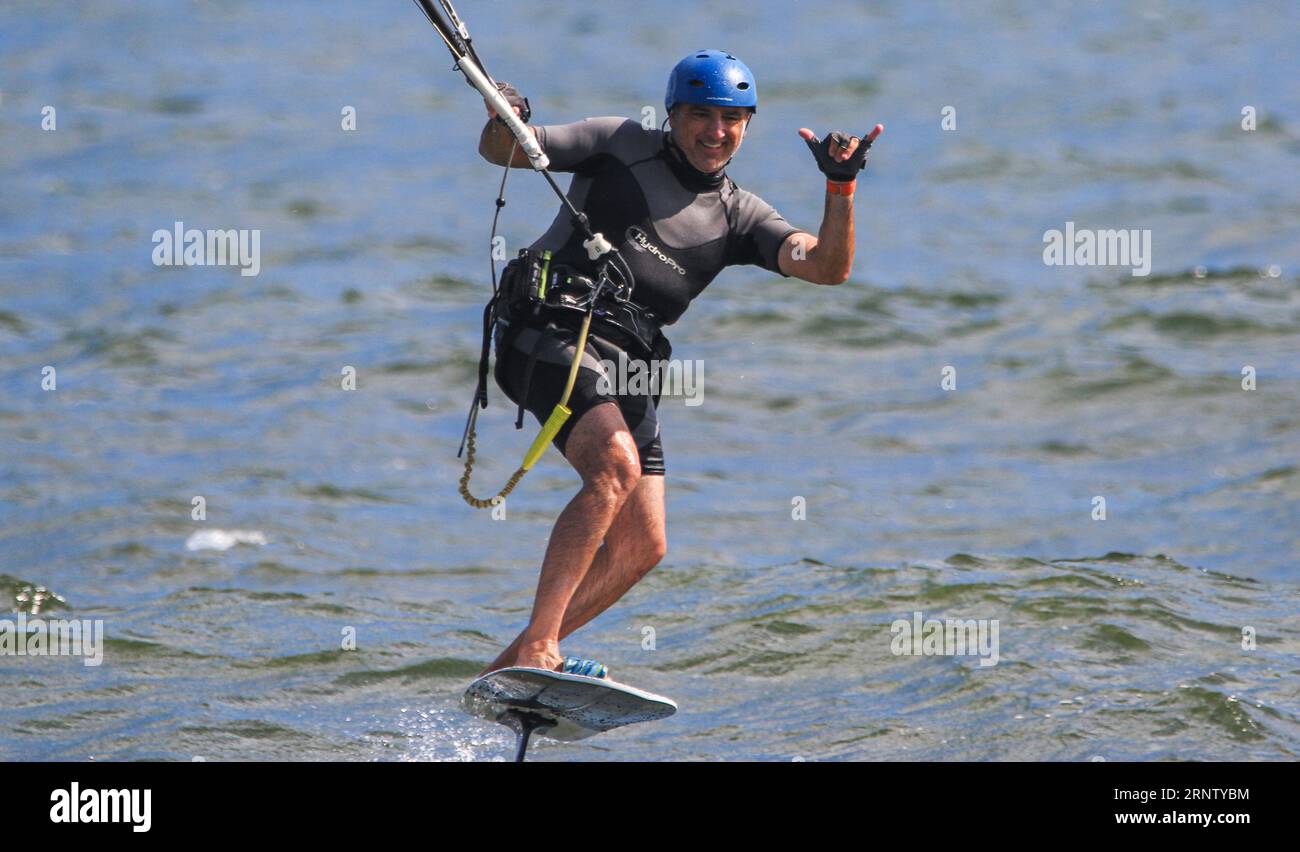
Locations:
(742, 85)
(697, 84)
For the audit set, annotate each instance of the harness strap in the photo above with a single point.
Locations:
(486, 352)
(480, 392)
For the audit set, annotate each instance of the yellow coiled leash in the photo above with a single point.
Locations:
(550, 428)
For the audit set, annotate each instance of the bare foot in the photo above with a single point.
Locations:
(542, 654)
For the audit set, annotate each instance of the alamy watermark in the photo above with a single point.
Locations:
(50, 637)
(73, 805)
(955, 637)
(192, 247)
(637, 377)
(1087, 247)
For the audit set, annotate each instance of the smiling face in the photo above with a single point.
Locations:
(709, 136)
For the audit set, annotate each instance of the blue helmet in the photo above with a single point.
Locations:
(712, 78)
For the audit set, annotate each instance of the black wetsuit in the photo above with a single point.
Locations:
(676, 227)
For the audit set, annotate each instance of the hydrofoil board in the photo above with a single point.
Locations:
(560, 706)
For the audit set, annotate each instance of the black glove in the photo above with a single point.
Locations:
(841, 172)
(512, 96)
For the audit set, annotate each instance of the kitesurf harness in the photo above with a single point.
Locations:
(614, 276)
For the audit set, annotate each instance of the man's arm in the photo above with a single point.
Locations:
(495, 142)
(828, 257)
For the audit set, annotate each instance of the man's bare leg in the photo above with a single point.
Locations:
(601, 449)
(634, 544)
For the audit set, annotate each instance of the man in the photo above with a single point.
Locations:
(664, 200)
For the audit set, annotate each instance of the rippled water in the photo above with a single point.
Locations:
(1119, 638)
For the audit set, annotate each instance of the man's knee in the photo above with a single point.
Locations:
(602, 451)
(655, 550)
(616, 473)
(640, 548)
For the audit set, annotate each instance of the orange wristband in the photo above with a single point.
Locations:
(841, 188)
